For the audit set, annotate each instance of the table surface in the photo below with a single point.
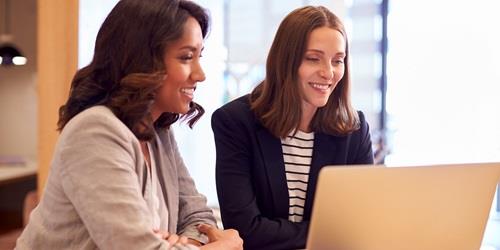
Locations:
(10, 173)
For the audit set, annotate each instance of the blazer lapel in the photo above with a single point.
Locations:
(325, 152)
(272, 153)
(167, 172)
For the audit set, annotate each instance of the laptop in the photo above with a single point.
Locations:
(402, 208)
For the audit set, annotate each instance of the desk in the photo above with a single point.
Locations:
(14, 173)
(15, 182)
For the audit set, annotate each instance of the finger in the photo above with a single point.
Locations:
(194, 242)
(172, 239)
(183, 240)
(212, 233)
(204, 228)
(162, 234)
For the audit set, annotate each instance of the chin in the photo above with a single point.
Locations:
(184, 111)
(321, 104)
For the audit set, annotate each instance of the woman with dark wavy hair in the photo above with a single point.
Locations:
(117, 180)
(272, 143)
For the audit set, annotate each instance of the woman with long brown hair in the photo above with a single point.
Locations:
(272, 143)
(117, 180)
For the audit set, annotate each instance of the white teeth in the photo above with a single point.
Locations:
(188, 91)
(320, 86)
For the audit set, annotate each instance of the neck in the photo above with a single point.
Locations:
(155, 114)
(308, 112)
(305, 125)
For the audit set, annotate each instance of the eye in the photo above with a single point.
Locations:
(338, 61)
(186, 57)
(312, 59)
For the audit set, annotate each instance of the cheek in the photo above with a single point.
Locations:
(339, 75)
(164, 92)
(176, 71)
(179, 73)
(300, 74)
(304, 73)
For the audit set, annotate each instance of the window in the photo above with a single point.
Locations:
(443, 84)
(443, 77)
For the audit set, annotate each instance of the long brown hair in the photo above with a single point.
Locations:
(127, 68)
(277, 100)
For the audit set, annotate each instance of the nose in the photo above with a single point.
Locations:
(327, 71)
(198, 74)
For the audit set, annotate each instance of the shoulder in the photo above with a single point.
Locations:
(241, 104)
(363, 124)
(236, 110)
(235, 119)
(361, 136)
(95, 115)
(361, 130)
(93, 137)
(96, 120)
(362, 118)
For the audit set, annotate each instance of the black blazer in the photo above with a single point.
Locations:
(250, 175)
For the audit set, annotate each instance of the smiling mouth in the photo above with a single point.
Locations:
(320, 86)
(188, 91)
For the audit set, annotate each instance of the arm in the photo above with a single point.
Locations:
(193, 208)
(97, 160)
(364, 154)
(236, 192)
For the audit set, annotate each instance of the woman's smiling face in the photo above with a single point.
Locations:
(183, 71)
(322, 67)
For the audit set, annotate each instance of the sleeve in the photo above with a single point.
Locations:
(364, 153)
(193, 209)
(236, 192)
(98, 176)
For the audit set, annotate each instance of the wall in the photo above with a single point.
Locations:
(18, 96)
(29, 101)
(18, 107)
(57, 50)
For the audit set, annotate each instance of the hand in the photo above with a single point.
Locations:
(219, 239)
(175, 240)
(172, 239)
(161, 234)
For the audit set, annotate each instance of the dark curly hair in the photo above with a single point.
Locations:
(127, 68)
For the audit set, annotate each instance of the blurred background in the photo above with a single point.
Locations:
(425, 73)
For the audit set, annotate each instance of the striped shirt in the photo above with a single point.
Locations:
(297, 155)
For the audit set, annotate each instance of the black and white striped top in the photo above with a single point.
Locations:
(297, 155)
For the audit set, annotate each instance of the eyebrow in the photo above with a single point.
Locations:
(191, 48)
(321, 52)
